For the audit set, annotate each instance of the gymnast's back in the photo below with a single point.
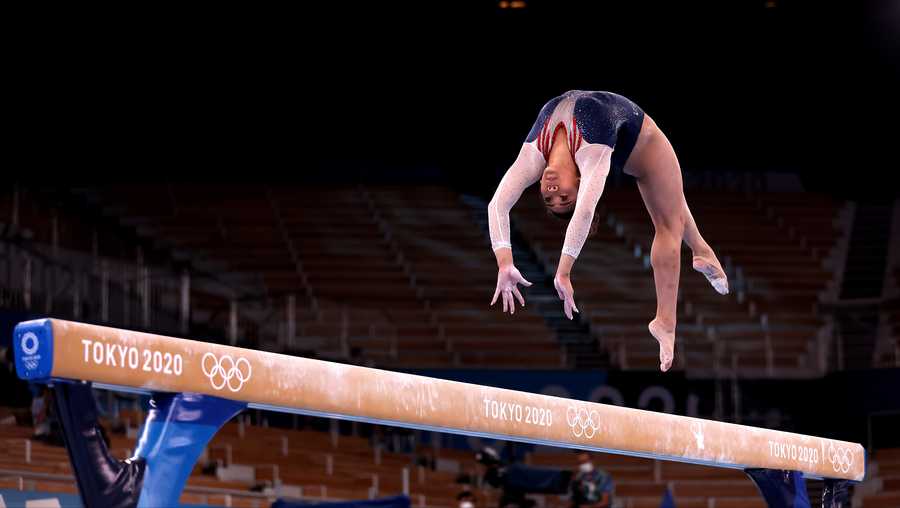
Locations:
(604, 118)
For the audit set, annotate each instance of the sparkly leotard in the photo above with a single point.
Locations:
(601, 130)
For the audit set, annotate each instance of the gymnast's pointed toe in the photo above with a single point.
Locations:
(713, 273)
(666, 338)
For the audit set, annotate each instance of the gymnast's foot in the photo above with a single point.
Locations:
(665, 335)
(709, 266)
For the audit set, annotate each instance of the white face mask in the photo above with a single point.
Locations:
(466, 504)
(587, 467)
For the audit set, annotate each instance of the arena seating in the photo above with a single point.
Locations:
(310, 242)
(887, 352)
(888, 347)
(614, 290)
(421, 302)
(884, 480)
(643, 482)
(767, 324)
(450, 259)
(334, 467)
(403, 309)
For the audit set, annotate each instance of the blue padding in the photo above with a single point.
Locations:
(780, 489)
(33, 347)
(177, 429)
(17, 499)
(385, 502)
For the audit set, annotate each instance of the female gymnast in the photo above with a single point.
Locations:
(574, 142)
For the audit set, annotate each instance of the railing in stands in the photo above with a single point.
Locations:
(28, 479)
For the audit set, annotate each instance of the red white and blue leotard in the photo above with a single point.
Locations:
(601, 130)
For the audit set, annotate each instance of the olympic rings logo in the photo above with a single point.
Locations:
(583, 423)
(226, 371)
(841, 458)
(30, 343)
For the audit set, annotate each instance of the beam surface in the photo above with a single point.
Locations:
(49, 349)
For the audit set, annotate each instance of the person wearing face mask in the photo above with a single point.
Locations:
(465, 499)
(576, 140)
(591, 487)
(518, 481)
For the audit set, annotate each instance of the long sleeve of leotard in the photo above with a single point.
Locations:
(524, 172)
(593, 162)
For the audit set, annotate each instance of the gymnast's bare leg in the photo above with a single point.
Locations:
(655, 166)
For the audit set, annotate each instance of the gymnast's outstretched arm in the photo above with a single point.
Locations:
(524, 172)
(593, 162)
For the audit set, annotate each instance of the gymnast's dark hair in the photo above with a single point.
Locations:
(566, 216)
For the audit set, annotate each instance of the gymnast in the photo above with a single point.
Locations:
(574, 142)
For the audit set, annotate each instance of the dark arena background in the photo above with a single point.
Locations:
(314, 182)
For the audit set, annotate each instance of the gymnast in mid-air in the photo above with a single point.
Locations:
(575, 141)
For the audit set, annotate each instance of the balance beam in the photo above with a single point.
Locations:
(52, 349)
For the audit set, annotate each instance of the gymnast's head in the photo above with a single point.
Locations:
(560, 179)
(559, 189)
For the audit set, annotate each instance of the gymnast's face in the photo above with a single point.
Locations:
(559, 187)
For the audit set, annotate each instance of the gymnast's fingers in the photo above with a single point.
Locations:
(570, 304)
(519, 296)
(523, 281)
(496, 293)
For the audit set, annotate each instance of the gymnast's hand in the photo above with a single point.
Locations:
(563, 285)
(508, 278)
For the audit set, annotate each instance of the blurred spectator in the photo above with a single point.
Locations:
(591, 487)
(493, 466)
(466, 499)
(518, 481)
